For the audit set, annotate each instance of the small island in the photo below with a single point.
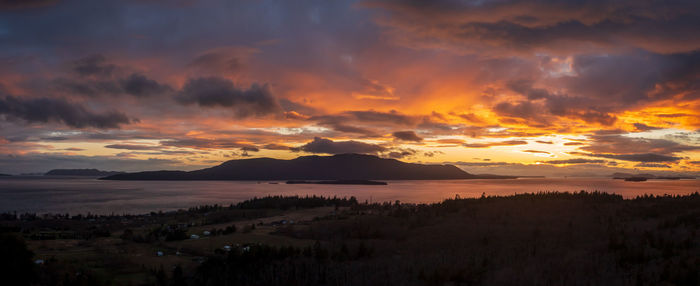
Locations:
(643, 177)
(340, 182)
(81, 172)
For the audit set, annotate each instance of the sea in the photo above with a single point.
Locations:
(89, 195)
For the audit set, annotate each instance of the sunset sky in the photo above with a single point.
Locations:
(507, 87)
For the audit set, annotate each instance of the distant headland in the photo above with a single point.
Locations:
(327, 168)
(81, 172)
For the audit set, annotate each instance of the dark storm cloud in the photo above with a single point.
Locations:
(220, 92)
(623, 80)
(59, 110)
(140, 86)
(526, 26)
(407, 136)
(327, 146)
(552, 104)
(96, 76)
(501, 143)
(603, 85)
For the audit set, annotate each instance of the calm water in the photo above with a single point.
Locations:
(74, 196)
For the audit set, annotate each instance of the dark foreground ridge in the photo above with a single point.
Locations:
(80, 172)
(340, 182)
(337, 167)
(525, 239)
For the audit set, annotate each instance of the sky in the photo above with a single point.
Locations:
(556, 88)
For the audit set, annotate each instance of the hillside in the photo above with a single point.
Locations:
(337, 167)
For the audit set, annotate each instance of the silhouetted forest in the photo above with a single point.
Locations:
(526, 239)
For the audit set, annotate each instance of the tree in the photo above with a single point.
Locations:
(16, 265)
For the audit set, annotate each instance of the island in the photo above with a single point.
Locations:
(325, 168)
(80, 172)
(643, 177)
(340, 182)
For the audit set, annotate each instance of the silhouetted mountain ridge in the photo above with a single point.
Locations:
(336, 167)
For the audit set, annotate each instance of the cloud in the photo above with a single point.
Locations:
(33, 163)
(618, 144)
(545, 142)
(327, 146)
(132, 147)
(44, 110)
(520, 26)
(273, 146)
(401, 153)
(140, 86)
(573, 161)
(536, 152)
(644, 127)
(407, 136)
(24, 4)
(220, 92)
(450, 141)
(392, 116)
(491, 144)
(202, 143)
(574, 144)
(646, 157)
(652, 165)
(94, 65)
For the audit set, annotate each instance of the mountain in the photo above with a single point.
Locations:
(80, 172)
(337, 167)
